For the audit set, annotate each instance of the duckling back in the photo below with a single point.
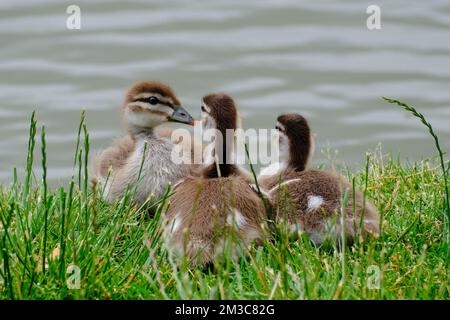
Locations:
(311, 201)
(209, 216)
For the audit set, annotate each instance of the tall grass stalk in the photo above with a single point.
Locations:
(30, 156)
(445, 170)
(422, 118)
(86, 173)
(44, 197)
(80, 127)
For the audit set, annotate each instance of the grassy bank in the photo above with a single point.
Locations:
(49, 237)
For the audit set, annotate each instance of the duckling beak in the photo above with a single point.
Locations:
(181, 115)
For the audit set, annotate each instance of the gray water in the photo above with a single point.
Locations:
(313, 57)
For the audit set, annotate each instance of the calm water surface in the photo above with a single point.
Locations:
(315, 58)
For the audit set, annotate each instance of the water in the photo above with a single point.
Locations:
(315, 58)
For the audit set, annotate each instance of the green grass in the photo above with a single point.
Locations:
(46, 235)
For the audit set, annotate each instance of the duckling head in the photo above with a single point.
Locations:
(295, 140)
(219, 112)
(151, 103)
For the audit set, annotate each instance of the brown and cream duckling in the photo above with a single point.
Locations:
(147, 105)
(310, 200)
(217, 210)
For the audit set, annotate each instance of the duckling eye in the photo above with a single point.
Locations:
(153, 100)
(278, 128)
(203, 109)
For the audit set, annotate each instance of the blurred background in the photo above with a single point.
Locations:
(313, 57)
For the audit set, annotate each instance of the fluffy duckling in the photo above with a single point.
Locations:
(310, 200)
(191, 146)
(147, 105)
(219, 205)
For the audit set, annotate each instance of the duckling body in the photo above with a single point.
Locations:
(141, 160)
(220, 209)
(217, 210)
(144, 162)
(192, 148)
(114, 157)
(311, 200)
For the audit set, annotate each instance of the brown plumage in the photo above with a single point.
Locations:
(311, 200)
(153, 87)
(207, 216)
(299, 134)
(217, 210)
(147, 104)
(224, 113)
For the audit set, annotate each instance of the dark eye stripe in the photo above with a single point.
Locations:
(145, 100)
(166, 103)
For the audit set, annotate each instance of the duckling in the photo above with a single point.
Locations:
(147, 105)
(207, 212)
(310, 200)
(191, 146)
